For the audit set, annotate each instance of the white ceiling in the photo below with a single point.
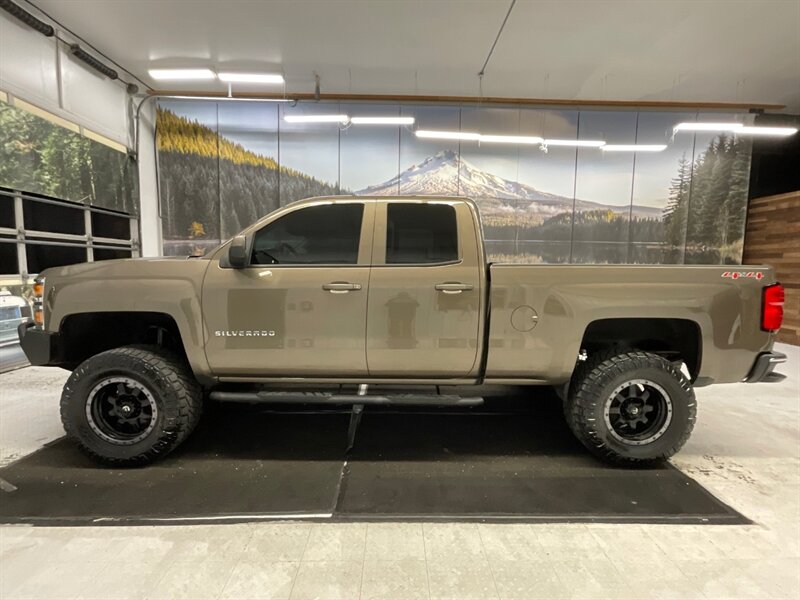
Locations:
(671, 50)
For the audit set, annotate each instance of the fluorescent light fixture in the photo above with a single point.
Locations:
(447, 135)
(382, 120)
(698, 126)
(184, 74)
(634, 147)
(511, 139)
(316, 118)
(576, 143)
(251, 77)
(776, 131)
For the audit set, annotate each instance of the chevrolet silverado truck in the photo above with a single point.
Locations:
(358, 300)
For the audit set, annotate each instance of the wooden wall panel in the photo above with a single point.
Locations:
(773, 238)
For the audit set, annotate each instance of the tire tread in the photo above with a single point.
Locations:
(586, 390)
(177, 375)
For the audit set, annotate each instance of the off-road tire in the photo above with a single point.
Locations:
(177, 394)
(591, 387)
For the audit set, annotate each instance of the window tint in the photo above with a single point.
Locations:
(316, 235)
(421, 233)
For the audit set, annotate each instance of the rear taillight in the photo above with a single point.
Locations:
(772, 307)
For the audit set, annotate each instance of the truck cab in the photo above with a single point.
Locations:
(351, 288)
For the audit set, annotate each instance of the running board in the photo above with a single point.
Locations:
(325, 398)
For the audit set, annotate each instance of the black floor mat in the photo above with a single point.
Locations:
(504, 461)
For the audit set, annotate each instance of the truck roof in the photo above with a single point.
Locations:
(376, 198)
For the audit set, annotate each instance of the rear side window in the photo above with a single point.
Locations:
(421, 233)
(317, 235)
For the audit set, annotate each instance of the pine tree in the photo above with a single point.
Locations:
(702, 175)
(676, 211)
(713, 215)
(738, 189)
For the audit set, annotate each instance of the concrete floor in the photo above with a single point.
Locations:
(12, 357)
(745, 449)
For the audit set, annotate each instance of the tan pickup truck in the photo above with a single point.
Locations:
(357, 300)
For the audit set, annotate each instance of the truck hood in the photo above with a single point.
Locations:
(109, 265)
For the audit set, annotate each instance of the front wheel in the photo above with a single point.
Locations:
(130, 405)
(633, 408)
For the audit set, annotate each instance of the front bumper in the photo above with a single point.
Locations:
(41, 347)
(762, 368)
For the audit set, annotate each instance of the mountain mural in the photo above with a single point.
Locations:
(212, 186)
(446, 174)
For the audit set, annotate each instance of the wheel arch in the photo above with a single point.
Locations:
(85, 334)
(672, 338)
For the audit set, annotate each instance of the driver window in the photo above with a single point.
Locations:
(317, 235)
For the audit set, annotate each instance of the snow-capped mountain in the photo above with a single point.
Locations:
(444, 174)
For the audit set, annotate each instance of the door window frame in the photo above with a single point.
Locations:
(381, 231)
(364, 243)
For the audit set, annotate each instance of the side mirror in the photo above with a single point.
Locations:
(237, 252)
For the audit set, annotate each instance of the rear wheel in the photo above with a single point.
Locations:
(633, 408)
(130, 405)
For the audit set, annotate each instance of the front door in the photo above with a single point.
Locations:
(299, 308)
(425, 291)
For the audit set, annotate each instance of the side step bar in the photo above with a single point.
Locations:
(325, 398)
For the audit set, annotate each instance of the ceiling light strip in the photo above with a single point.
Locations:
(382, 120)
(773, 131)
(576, 143)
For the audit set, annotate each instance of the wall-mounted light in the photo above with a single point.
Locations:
(774, 131)
(510, 139)
(182, 74)
(227, 77)
(576, 143)
(698, 126)
(23, 15)
(634, 147)
(90, 60)
(447, 135)
(316, 118)
(382, 120)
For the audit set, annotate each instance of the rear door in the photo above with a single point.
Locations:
(299, 308)
(425, 296)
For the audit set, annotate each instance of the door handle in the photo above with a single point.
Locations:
(341, 287)
(453, 288)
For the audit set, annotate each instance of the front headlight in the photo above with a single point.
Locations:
(38, 302)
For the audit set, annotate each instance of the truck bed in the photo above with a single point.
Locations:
(561, 301)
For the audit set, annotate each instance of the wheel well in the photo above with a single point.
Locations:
(86, 334)
(674, 339)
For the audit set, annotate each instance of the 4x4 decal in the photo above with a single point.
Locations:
(738, 274)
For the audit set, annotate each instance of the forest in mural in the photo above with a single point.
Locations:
(708, 199)
(220, 171)
(197, 167)
(40, 157)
